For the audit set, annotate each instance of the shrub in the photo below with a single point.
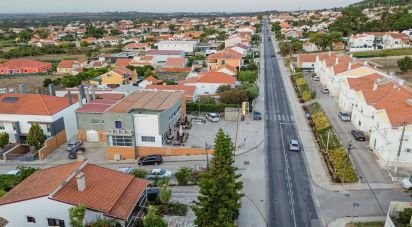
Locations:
(235, 96)
(405, 216)
(300, 81)
(342, 165)
(183, 175)
(320, 121)
(4, 139)
(306, 95)
(140, 173)
(206, 100)
(219, 108)
(247, 76)
(177, 209)
(2, 193)
(165, 194)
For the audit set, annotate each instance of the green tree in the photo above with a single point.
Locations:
(219, 201)
(77, 214)
(223, 88)
(140, 173)
(351, 22)
(183, 175)
(252, 90)
(206, 100)
(104, 222)
(235, 96)
(152, 219)
(405, 63)
(47, 81)
(247, 76)
(4, 139)
(25, 35)
(403, 23)
(36, 136)
(165, 194)
(405, 216)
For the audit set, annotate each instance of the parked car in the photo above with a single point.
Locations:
(125, 169)
(213, 117)
(152, 194)
(74, 145)
(150, 160)
(72, 155)
(324, 90)
(159, 173)
(272, 55)
(257, 115)
(358, 135)
(316, 78)
(294, 145)
(344, 116)
(407, 183)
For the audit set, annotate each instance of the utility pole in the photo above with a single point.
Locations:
(237, 129)
(346, 163)
(400, 148)
(207, 147)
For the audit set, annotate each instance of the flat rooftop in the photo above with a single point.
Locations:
(147, 100)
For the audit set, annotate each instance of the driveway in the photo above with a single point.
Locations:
(364, 159)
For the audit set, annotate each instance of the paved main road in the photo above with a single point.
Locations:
(289, 192)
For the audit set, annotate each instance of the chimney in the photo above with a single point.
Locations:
(365, 63)
(80, 100)
(52, 90)
(22, 89)
(330, 53)
(81, 91)
(336, 61)
(69, 96)
(81, 182)
(93, 93)
(351, 56)
(349, 65)
(375, 85)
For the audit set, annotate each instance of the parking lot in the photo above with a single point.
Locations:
(364, 159)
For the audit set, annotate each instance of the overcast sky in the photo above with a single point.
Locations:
(41, 6)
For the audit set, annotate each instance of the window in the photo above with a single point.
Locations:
(55, 222)
(359, 123)
(2, 126)
(148, 139)
(122, 141)
(118, 124)
(31, 219)
(95, 121)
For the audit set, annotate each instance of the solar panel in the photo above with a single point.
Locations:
(10, 99)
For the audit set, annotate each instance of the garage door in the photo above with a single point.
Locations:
(92, 136)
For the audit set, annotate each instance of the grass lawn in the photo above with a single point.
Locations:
(383, 53)
(367, 224)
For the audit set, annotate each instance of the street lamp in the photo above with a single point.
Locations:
(207, 147)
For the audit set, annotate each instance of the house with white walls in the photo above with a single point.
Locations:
(395, 40)
(55, 115)
(382, 108)
(207, 83)
(309, 47)
(361, 42)
(45, 197)
(185, 46)
(233, 41)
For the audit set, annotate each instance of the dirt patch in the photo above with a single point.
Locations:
(390, 64)
(32, 83)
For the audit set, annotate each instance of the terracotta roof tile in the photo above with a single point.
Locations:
(123, 62)
(32, 104)
(189, 90)
(175, 62)
(24, 63)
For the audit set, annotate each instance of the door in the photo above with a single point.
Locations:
(92, 136)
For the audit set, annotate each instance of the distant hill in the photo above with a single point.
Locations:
(376, 3)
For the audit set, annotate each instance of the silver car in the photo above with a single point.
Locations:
(73, 146)
(294, 145)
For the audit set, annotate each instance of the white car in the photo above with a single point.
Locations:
(407, 182)
(316, 78)
(213, 117)
(159, 173)
(294, 145)
(125, 169)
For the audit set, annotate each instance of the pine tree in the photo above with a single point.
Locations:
(219, 200)
(36, 136)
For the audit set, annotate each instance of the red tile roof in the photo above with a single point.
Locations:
(32, 104)
(176, 70)
(344, 66)
(153, 80)
(226, 54)
(41, 183)
(123, 62)
(108, 191)
(175, 62)
(211, 77)
(97, 106)
(24, 63)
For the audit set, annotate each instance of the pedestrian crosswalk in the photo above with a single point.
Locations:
(283, 117)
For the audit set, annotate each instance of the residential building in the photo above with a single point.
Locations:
(72, 67)
(159, 57)
(207, 83)
(395, 208)
(361, 42)
(45, 197)
(23, 66)
(395, 40)
(175, 62)
(149, 81)
(306, 62)
(310, 47)
(185, 46)
(233, 41)
(227, 56)
(115, 77)
(189, 91)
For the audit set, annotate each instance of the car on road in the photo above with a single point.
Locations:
(358, 135)
(407, 183)
(316, 78)
(74, 145)
(294, 145)
(158, 174)
(344, 116)
(272, 55)
(150, 160)
(257, 116)
(324, 90)
(213, 117)
(72, 155)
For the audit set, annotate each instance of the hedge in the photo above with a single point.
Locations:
(193, 107)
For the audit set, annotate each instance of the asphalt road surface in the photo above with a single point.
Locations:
(289, 192)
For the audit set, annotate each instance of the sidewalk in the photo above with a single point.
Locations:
(315, 165)
(341, 222)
